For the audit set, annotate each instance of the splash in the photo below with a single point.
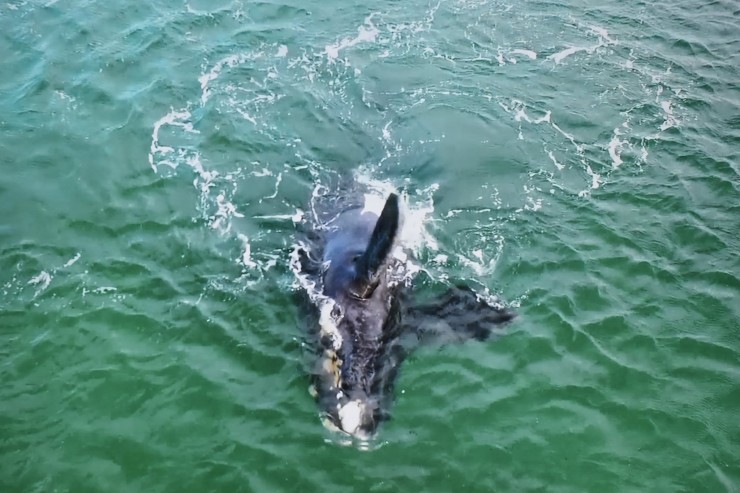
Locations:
(532, 55)
(604, 40)
(615, 148)
(366, 33)
(177, 118)
(41, 281)
(246, 257)
(230, 61)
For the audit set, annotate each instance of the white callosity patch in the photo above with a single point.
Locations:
(329, 319)
(351, 417)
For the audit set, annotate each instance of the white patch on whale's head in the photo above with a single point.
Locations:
(329, 318)
(351, 418)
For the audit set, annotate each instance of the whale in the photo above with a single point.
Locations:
(364, 319)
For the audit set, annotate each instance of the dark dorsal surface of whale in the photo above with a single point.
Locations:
(366, 323)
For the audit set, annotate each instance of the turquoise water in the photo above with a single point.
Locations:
(578, 159)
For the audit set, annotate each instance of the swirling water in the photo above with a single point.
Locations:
(579, 159)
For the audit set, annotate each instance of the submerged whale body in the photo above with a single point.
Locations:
(366, 324)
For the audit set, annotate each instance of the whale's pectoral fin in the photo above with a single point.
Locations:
(459, 314)
(378, 248)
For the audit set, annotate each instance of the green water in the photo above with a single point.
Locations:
(581, 160)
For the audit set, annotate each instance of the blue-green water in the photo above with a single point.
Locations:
(579, 159)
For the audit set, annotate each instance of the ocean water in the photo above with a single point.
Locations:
(578, 159)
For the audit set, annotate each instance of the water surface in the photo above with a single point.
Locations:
(578, 159)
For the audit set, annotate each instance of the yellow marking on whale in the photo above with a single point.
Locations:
(332, 365)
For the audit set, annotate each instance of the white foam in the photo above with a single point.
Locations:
(669, 119)
(366, 33)
(246, 257)
(65, 97)
(604, 40)
(521, 114)
(603, 33)
(104, 290)
(206, 177)
(643, 153)
(546, 118)
(532, 203)
(476, 266)
(230, 61)
(42, 280)
(282, 51)
(562, 55)
(579, 148)
(386, 133)
(226, 210)
(528, 53)
(329, 317)
(518, 109)
(277, 186)
(413, 233)
(615, 148)
(559, 166)
(177, 118)
(296, 217)
(71, 261)
(245, 115)
(440, 259)
(595, 177)
(373, 203)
